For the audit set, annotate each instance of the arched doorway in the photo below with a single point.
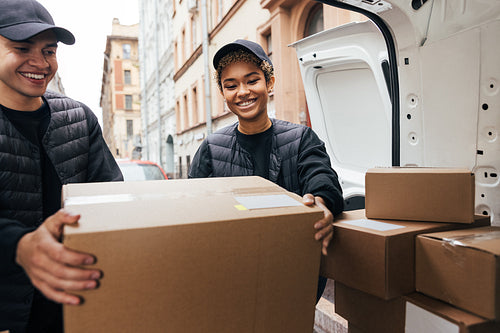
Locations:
(314, 24)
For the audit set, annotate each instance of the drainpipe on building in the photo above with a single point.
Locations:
(144, 83)
(208, 102)
(157, 60)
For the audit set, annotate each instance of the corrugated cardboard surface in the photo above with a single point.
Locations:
(378, 262)
(354, 329)
(420, 194)
(461, 268)
(431, 315)
(368, 313)
(181, 256)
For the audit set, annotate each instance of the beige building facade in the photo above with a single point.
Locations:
(196, 93)
(120, 90)
(274, 24)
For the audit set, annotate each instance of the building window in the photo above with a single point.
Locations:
(220, 10)
(126, 51)
(128, 102)
(130, 129)
(185, 115)
(188, 163)
(178, 116)
(176, 55)
(183, 46)
(180, 166)
(127, 76)
(314, 22)
(269, 45)
(194, 41)
(194, 95)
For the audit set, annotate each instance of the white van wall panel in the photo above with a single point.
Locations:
(411, 140)
(450, 76)
(488, 143)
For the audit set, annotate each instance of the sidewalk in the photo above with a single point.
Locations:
(326, 320)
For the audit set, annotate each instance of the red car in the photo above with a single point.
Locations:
(134, 170)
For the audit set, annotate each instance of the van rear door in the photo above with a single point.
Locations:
(345, 73)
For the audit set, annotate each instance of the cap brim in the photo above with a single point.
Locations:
(25, 31)
(227, 49)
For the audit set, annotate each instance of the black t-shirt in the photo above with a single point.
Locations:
(33, 125)
(259, 147)
(46, 316)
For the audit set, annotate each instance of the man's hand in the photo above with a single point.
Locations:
(324, 225)
(53, 268)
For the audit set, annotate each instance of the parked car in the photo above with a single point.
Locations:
(134, 170)
(417, 85)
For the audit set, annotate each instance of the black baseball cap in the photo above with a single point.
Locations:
(23, 19)
(241, 44)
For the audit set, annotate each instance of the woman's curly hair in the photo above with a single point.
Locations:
(243, 56)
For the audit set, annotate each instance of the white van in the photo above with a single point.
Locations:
(418, 85)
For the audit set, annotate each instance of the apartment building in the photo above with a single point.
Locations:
(199, 31)
(200, 28)
(157, 84)
(120, 89)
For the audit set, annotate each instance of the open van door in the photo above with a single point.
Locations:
(444, 86)
(345, 75)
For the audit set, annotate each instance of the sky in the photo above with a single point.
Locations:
(80, 64)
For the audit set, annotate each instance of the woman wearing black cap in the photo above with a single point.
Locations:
(288, 154)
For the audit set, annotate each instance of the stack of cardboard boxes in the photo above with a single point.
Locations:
(417, 259)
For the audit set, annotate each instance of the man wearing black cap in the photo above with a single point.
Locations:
(46, 140)
(289, 155)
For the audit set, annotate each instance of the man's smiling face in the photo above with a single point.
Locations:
(26, 68)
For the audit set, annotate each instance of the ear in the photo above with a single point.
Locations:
(270, 84)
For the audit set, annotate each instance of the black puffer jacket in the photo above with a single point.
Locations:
(298, 161)
(74, 144)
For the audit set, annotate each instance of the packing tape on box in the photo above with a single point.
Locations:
(472, 239)
(126, 197)
(452, 243)
(246, 202)
(109, 198)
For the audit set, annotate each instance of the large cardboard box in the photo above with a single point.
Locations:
(354, 329)
(462, 268)
(378, 256)
(201, 255)
(425, 314)
(420, 194)
(368, 313)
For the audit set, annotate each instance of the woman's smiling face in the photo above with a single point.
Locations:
(245, 90)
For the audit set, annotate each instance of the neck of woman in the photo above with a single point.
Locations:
(257, 127)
